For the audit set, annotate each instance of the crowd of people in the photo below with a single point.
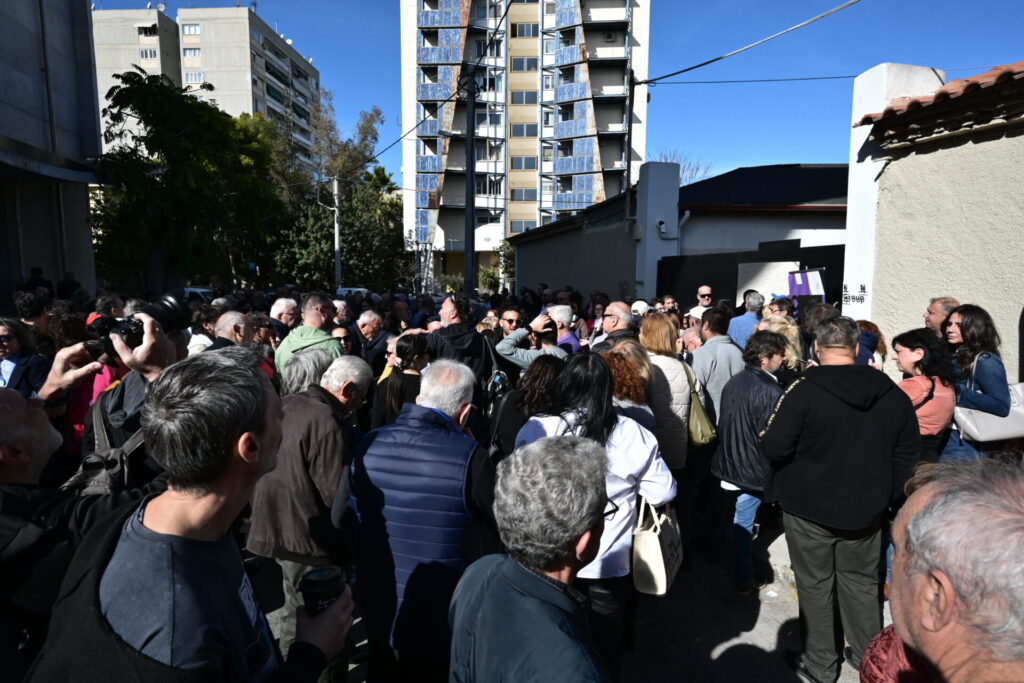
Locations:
(176, 475)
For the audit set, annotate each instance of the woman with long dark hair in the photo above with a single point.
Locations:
(532, 396)
(981, 376)
(583, 407)
(925, 361)
(403, 383)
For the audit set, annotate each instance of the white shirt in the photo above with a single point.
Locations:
(634, 467)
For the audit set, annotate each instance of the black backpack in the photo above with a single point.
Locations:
(106, 470)
(496, 387)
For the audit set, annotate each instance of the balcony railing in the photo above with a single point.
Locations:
(569, 55)
(572, 201)
(428, 164)
(571, 91)
(449, 54)
(581, 164)
(433, 91)
(428, 128)
(436, 18)
(571, 129)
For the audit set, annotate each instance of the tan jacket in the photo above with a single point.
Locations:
(668, 395)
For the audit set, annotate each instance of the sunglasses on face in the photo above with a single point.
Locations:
(511, 321)
(704, 296)
(5, 338)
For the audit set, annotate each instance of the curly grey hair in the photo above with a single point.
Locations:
(972, 530)
(548, 493)
(303, 369)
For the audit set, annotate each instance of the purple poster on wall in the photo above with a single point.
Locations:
(806, 283)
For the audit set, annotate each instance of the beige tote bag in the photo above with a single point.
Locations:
(657, 549)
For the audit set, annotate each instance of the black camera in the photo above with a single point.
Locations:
(170, 311)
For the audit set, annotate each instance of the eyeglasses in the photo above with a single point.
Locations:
(609, 315)
(6, 338)
(608, 514)
(704, 296)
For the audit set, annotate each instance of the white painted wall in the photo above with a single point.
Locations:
(727, 232)
(872, 92)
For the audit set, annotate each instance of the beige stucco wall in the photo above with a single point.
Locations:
(951, 223)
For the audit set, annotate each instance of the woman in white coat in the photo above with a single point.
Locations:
(668, 393)
(583, 407)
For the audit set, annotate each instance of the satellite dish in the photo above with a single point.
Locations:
(160, 7)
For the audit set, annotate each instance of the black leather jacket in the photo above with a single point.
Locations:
(747, 401)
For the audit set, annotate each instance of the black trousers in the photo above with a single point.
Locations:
(611, 614)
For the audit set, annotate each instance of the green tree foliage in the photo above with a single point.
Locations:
(489, 279)
(507, 261)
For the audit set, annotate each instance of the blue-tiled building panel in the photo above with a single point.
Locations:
(568, 55)
(426, 181)
(428, 128)
(439, 55)
(433, 91)
(437, 18)
(571, 91)
(428, 164)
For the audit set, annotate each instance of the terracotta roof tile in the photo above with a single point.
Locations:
(952, 90)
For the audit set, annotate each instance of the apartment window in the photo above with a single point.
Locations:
(255, 105)
(491, 184)
(193, 76)
(524, 163)
(192, 52)
(524, 194)
(256, 36)
(549, 8)
(257, 84)
(548, 118)
(488, 118)
(148, 31)
(480, 11)
(147, 54)
(547, 153)
(525, 30)
(522, 226)
(255, 59)
(189, 29)
(524, 97)
(524, 130)
(525, 1)
(548, 82)
(524, 64)
(493, 51)
(549, 46)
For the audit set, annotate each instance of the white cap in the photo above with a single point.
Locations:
(640, 307)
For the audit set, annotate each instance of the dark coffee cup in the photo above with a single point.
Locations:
(321, 587)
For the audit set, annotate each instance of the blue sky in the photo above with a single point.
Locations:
(355, 44)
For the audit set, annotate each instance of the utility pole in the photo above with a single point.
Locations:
(629, 150)
(469, 243)
(337, 237)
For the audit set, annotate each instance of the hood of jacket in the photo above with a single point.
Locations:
(858, 386)
(304, 336)
(458, 335)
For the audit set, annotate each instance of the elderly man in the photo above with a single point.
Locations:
(291, 506)
(516, 616)
(842, 442)
(373, 342)
(161, 586)
(704, 295)
(284, 315)
(691, 342)
(562, 316)
(231, 328)
(317, 318)
(938, 310)
(742, 326)
(543, 337)
(956, 593)
(417, 486)
(616, 323)
(342, 313)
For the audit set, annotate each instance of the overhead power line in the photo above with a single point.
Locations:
(799, 78)
(752, 45)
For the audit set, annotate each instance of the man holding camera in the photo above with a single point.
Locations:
(165, 580)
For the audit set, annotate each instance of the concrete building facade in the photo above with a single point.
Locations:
(49, 135)
(251, 68)
(550, 120)
(938, 173)
(147, 38)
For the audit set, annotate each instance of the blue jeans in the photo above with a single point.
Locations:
(960, 449)
(743, 536)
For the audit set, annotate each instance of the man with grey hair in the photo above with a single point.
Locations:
(373, 341)
(516, 616)
(842, 441)
(742, 326)
(417, 487)
(303, 370)
(230, 329)
(291, 506)
(284, 315)
(938, 310)
(617, 324)
(956, 592)
(562, 316)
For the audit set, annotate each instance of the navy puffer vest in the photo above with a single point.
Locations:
(409, 494)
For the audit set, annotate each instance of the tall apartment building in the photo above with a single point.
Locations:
(550, 119)
(251, 67)
(145, 37)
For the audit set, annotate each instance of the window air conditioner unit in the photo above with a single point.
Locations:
(609, 37)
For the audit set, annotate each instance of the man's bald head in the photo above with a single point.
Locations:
(617, 316)
(27, 439)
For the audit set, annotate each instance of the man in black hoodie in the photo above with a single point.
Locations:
(842, 441)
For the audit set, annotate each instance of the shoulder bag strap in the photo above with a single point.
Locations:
(931, 394)
(100, 435)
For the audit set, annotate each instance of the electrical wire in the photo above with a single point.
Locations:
(752, 45)
(801, 78)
